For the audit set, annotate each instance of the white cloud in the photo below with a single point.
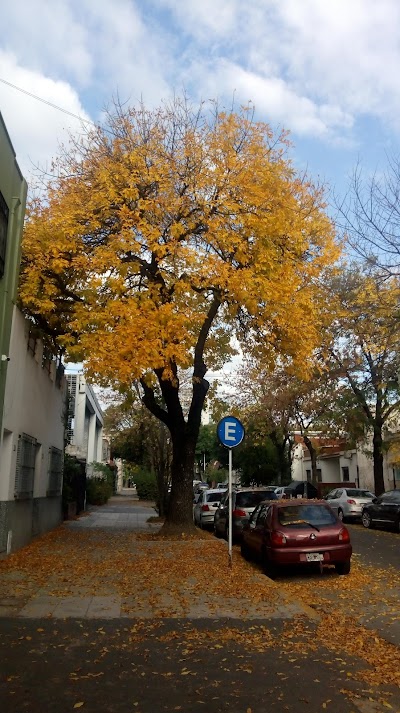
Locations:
(314, 66)
(341, 56)
(273, 98)
(36, 129)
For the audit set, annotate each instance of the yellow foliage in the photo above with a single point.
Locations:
(143, 231)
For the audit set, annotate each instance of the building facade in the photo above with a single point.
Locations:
(337, 464)
(32, 444)
(85, 422)
(13, 190)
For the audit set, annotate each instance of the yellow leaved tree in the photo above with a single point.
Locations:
(161, 237)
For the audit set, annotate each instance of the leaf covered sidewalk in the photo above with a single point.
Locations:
(166, 625)
(106, 573)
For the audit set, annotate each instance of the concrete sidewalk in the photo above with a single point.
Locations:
(119, 513)
(108, 564)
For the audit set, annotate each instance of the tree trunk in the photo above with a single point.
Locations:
(280, 444)
(180, 511)
(378, 459)
(313, 456)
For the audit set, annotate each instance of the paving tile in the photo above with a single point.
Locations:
(39, 607)
(72, 607)
(104, 607)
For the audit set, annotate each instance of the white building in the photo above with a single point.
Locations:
(85, 421)
(32, 440)
(338, 464)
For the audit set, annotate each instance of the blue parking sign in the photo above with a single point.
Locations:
(230, 431)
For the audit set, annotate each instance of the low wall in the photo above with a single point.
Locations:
(20, 520)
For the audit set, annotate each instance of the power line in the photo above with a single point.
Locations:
(44, 101)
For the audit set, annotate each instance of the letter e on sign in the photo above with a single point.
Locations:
(230, 431)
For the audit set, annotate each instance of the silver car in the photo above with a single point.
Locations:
(348, 503)
(205, 506)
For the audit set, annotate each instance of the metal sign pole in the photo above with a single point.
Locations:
(230, 509)
(230, 432)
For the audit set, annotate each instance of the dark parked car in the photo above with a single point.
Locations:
(384, 511)
(296, 532)
(244, 501)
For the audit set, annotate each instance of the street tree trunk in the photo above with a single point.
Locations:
(313, 456)
(184, 432)
(378, 459)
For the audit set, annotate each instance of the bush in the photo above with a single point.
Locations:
(71, 473)
(146, 485)
(98, 491)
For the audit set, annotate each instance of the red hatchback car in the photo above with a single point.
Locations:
(300, 532)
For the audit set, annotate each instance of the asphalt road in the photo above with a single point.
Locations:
(379, 548)
(176, 665)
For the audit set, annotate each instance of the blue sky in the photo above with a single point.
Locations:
(325, 70)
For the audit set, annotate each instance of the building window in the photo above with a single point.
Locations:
(319, 475)
(308, 474)
(345, 473)
(25, 471)
(55, 471)
(3, 233)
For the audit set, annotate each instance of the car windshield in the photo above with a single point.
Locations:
(213, 497)
(251, 499)
(302, 515)
(356, 493)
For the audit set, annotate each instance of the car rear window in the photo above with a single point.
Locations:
(251, 499)
(214, 497)
(299, 515)
(355, 493)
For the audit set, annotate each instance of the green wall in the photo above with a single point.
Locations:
(13, 191)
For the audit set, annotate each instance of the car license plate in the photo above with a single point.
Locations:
(314, 557)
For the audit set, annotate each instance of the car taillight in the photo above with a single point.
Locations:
(344, 535)
(352, 502)
(205, 508)
(239, 513)
(278, 538)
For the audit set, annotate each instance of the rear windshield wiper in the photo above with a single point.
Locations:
(301, 522)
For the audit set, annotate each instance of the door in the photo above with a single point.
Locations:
(258, 532)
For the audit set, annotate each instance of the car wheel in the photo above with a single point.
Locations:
(217, 532)
(342, 567)
(340, 515)
(366, 519)
(269, 567)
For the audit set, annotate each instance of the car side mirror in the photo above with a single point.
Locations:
(374, 500)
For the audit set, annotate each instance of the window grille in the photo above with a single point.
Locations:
(71, 385)
(25, 471)
(55, 471)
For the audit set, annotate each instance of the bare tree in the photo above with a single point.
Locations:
(369, 216)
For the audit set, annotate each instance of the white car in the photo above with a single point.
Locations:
(205, 507)
(348, 502)
(282, 491)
